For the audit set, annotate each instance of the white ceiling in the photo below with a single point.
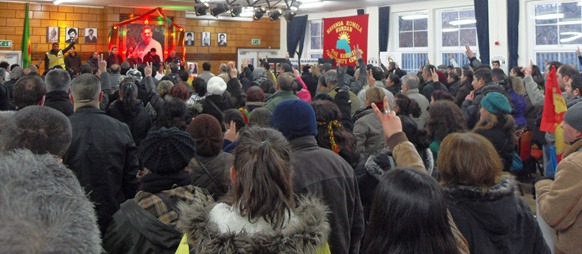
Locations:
(188, 5)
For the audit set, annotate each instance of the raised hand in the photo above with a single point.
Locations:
(148, 70)
(358, 52)
(102, 64)
(231, 134)
(468, 51)
(391, 123)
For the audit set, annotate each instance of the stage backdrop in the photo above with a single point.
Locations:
(342, 35)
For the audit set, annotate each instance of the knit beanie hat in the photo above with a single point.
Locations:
(134, 73)
(167, 151)
(496, 103)
(206, 130)
(574, 116)
(215, 86)
(294, 119)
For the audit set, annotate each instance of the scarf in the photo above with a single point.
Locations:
(154, 183)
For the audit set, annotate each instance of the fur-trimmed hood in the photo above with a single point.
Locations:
(309, 231)
(494, 209)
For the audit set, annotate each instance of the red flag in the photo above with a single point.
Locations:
(342, 35)
(554, 104)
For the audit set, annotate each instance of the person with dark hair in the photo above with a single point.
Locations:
(40, 129)
(205, 74)
(151, 57)
(409, 215)
(309, 79)
(465, 88)
(58, 84)
(103, 154)
(404, 106)
(73, 61)
(165, 184)
(393, 83)
(29, 90)
(269, 88)
(40, 194)
(113, 57)
(284, 91)
(147, 43)
(262, 214)
(209, 168)
(56, 56)
(255, 98)
(483, 83)
(445, 118)
(498, 75)
(173, 115)
(260, 117)
(574, 90)
(430, 76)
(333, 87)
(234, 122)
(439, 95)
(130, 110)
(322, 173)
(516, 72)
(5, 100)
(454, 82)
(235, 93)
(497, 125)
(331, 134)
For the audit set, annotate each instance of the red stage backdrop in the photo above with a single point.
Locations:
(342, 35)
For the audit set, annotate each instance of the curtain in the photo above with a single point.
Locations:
(482, 17)
(384, 22)
(296, 35)
(512, 28)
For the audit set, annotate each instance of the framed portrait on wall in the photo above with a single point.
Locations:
(189, 39)
(52, 34)
(91, 35)
(221, 39)
(205, 39)
(72, 32)
(145, 37)
(192, 68)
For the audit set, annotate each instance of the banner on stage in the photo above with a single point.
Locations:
(342, 35)
(388, 57)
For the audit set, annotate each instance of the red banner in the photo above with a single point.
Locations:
(342, 35)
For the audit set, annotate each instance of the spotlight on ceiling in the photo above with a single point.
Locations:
(275, 14)
(289, 15)
(295, 5)
(219, 9)
(259, 12)
(201, 8)
(235, 10)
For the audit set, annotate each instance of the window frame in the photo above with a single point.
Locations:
(310, 52)
(398, 32)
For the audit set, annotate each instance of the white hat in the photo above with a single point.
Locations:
(215, 86)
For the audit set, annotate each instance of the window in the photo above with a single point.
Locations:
(458, 28)
(558, 23)
(413, 30)
(412, 61)
(315, 39)
(556, 31)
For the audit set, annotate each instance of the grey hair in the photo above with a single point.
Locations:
(85, 88)
(223, 68)
(331, 78)
(38, 128)
(260, 117)
(57, 80)
(411, 80)
(285, 81)
(16, 73)
(43, 208)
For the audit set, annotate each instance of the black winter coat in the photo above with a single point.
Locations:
(104, 158)
(60, 101)
(138, 121)
(213, 175)
(502, 141)
(496, 221)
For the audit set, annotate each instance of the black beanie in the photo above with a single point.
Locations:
(167, 151)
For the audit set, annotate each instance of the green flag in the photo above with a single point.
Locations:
(26, 49)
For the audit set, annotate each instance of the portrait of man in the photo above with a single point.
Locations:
(148, 42)
(72, 33)
(52, 34)
(192, 68)
(189, 39)
(91, 35)
(206, 39)
(221, 39)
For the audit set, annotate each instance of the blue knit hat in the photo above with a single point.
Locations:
(294, 119)
(496, 103)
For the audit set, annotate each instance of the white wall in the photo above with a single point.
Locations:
(497, 26)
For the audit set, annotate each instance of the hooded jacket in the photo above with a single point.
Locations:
(495, 221)
(305, 232)
(138, 121)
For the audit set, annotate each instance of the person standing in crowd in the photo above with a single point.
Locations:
(321, 172)
(482, 83)
(58, 84)
(102, 154)
(113, 57)
(206, 74)
(172, 58)
(130, 110)
(148, 222)
(56, 56)
(284, 91)
(262, 215)
(73, 61)
(559, 197)
(29, 90)
(152, 57)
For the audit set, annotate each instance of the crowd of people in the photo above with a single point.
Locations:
(124, 157)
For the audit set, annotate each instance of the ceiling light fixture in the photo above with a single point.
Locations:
(201, 8)
(57, 2)
(219, 9)
(235, 11)
(463, 22)
(289, 15)
(275, 14)
(550, 16)
(259, 12)
(415, 16)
